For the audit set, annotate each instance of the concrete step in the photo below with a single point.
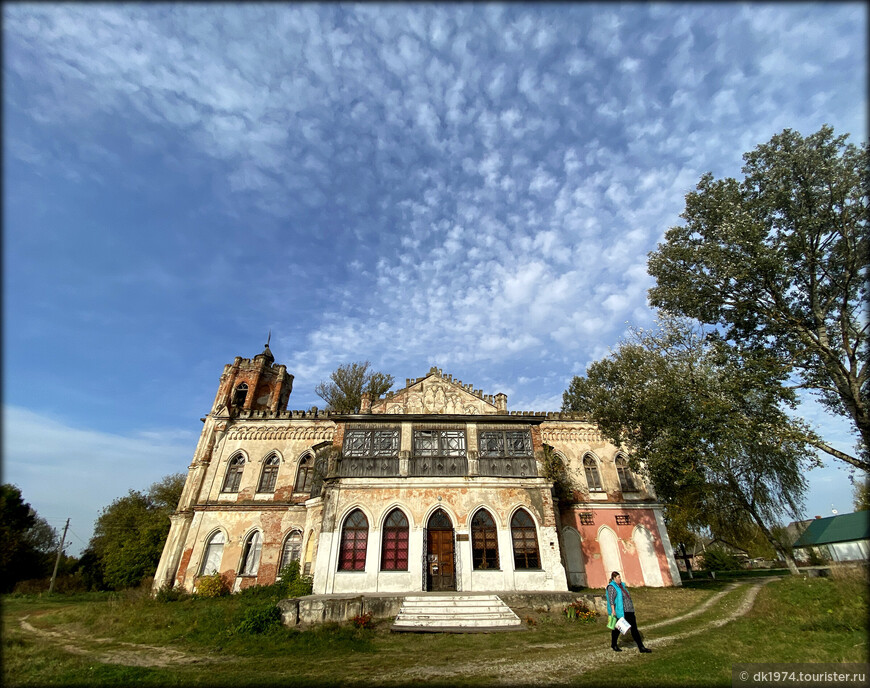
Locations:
(455, 614)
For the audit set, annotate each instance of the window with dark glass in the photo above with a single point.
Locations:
(362, 443)
(593, 479)
(626, 477)
(484, 541)
(251, 554)
(439, 443)
(504, 443)
(240, 394)
(234, 474)
(304, 474)
(292, 549)
(354, 540)
(269, 475)
(525, 540)
(394, 555)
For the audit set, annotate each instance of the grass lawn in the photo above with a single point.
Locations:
(98, 639)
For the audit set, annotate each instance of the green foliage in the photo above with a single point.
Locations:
(861, 495)
(27, 543)
(130, 533)
(290, 583)
(553, 468)
(780, 262)
(343, 393)
(706, 422)
(258, 619)
(717, 559)
(211, 586)
(168, 593)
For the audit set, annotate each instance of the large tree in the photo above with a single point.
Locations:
(780, 261)
(129, 534)
(347, 383)
(27, 541)
(707, 424)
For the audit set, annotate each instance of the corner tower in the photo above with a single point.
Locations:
(253, 384)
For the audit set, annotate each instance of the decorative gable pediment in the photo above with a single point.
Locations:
(437, 394)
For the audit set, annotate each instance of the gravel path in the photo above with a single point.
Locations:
(541, 671)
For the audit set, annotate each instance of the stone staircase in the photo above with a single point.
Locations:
(455, 614)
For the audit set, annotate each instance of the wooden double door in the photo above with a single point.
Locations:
(440, 553)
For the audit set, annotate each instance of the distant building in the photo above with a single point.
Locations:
(434, 487)
(845, 537)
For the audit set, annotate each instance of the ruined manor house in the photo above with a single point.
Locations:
(435, 487)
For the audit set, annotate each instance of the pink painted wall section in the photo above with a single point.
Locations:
(632, 573)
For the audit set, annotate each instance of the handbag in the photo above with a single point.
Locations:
(611, 621)
(622, 625)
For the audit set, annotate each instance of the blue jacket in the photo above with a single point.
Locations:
(617, 600)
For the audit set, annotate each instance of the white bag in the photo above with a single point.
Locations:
(622, 625)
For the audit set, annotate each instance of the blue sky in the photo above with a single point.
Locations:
(469, 186)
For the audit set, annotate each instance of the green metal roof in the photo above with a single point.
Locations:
(843, 528)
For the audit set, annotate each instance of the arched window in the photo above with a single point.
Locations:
(234, 474)
(269, 475)
(214, 552)
(593, 478)
(484, 541)
(251, 554)
(354, 538)
(240, 395)
(626, 477)
(292, 550)
(525, 541)
(394, 555)
(304, 474)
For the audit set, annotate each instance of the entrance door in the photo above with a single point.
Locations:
(440, 568)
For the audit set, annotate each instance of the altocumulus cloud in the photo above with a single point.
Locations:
(70, 472)
(488, 178)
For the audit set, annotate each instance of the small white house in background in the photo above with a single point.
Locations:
(846, 537)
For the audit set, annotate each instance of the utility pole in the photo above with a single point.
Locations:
(57, 561)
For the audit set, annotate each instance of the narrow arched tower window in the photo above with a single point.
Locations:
(234, 474)
(626, 477)
(251, 554)
(304, 474)
(240, 395)
(270, 474)
(214, 552)
(292, 550)
(593, 478)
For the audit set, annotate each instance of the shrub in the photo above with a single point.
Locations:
(719, 560)
(169, 594)
(578, 611)
(211, 586)
(363, 621)
(293, 583)
(259, 619)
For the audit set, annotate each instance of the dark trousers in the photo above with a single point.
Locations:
(632, 619)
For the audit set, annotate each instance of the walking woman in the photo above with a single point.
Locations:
(619, 600)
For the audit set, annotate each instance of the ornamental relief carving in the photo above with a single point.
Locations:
(571, 435)
(433, 396)
(278, 433)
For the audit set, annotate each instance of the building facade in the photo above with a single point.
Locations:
(434, 487)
